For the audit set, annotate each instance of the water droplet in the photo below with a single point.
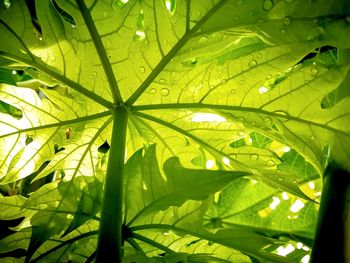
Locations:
(73, 25)
(241, 82)
(142, 69)
(287, 21)
(259, 55)
(260, 21)
(233, 91)
(241, 133)
(7, 4)
(252, 63)
(314, 72)
(312, 138)
(152, 91)
(295, 182)
(281, 179)
(267, 5)
(164, 92)
(254, 157)
(269, 76)
(162, 81)
(270, 163)
(203, 40)
(93, 75)
(118, 4)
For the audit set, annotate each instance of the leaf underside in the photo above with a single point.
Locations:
(234, 110)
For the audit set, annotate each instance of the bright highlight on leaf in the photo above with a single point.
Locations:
(263, 90)
(297, 206)
(207, 117)
(284, 251)
(170, 131)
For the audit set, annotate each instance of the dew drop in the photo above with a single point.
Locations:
(254, 157)
(270, 163)
(203, 40)
(162, 81)
(142, 69)
(233, 91)
(267, 5)
(152, 91)
(241, 133)
(259, 55)
(241, 82)
(281, 179)
(287, 21)
(269, 76)
(164, 92)
(252, 63)
(312, 138)
(119, 4)
(314, 72)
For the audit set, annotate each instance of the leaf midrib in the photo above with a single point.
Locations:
(181, 106)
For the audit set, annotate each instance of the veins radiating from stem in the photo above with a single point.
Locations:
(167, 58)
(110, 75)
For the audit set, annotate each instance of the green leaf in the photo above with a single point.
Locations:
(210, 110)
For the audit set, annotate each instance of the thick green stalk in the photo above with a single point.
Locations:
(331, 242)
(110, 236)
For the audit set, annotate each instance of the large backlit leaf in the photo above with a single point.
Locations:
(223, 88)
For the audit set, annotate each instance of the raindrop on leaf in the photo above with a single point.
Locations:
(241, 82)
(233, 91)
(241, 133)
(203, 40)
(152, 91)
(252, 63)
(142, 69)
(281, 179)
(164, 92)
(287, 21)
(254, 157)
(118, 4)
(314, 72)
(267, 5)
(270, 163)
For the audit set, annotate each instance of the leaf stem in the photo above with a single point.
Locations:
(152, 242)
(332, 236)
(110, 237)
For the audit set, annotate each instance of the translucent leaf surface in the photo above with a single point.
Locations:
(237, 105)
